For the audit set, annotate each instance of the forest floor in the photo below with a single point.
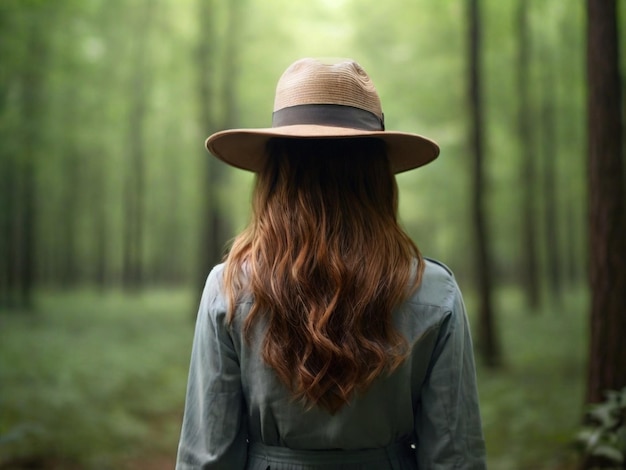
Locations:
(164, 462)
(93, 381)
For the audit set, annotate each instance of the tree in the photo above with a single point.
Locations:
(217, 111)
(206, 79)
(72, 167)
(487, 340)
(134, 190)
(549, 152)
(526, 139)
(607, 217)
(23, 87)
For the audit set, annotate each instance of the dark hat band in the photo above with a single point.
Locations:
(334, 115)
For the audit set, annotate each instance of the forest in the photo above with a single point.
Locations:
(112, 212)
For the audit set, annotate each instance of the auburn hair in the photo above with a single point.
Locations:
(326, 263)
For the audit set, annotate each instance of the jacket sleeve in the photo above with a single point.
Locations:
(213, 433)
(447, 422)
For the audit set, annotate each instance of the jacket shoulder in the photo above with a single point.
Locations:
(438, 286)
(438, 264)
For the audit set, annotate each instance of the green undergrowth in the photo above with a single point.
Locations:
(87, 379)
(532, 405)
(93, 380)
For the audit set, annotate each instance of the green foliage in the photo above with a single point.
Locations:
(531, 407)
(604, 434)
(92, 378)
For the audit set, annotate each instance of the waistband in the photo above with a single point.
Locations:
(391, 453)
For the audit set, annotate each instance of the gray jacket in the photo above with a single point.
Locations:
(234, 399)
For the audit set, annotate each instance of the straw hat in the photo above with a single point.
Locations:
(320, 100)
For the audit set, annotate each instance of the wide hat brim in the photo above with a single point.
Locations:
(247, 148)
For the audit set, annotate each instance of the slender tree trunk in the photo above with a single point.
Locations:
(572, 256)
(31, 115)
(574, 263)
(5, 178)
(69, 228)
(488, 343)
(550, 155)
(70, 160)
(215, 229)
(29, 228)
(5, 200)
(134, 214)
(10, 220)
(230, 61)
(206, 59)
(6, 175)
(607, 216)
(99, 190)
(526, 138)
(100, 231)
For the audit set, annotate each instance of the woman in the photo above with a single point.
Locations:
(326, 340)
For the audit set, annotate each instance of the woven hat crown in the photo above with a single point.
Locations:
(321, 99)
(310, 81)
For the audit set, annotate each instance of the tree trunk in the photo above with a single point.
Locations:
(229, 67)
(100, 226)
(69, 226)
(487, 340)
(550, 155)
(8, 254)
(134, 208)
(214, 229)
(31, 108)
(607, 224)
(572, 267)
(209, 229)
(526, 138)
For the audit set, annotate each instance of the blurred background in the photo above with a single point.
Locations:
(112, 213)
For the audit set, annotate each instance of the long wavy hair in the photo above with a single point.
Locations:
(326, 263)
